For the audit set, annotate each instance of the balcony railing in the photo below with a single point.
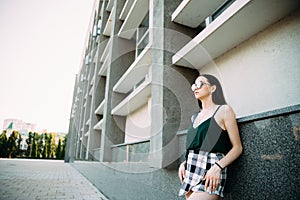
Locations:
(192, 13)
(134, 17)
(135, 73)
(131, 152)
(136, 99)
(241, 20)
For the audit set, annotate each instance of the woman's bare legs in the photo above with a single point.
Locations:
(202, 196)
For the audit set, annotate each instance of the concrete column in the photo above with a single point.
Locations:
(156, 20)
(120, 57)
(71, 141)
(172, 101)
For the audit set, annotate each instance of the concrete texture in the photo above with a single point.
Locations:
(267, 169)
(24, 179)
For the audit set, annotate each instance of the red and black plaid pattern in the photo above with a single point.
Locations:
(198, 162)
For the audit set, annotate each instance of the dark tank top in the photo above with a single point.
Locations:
(208, 136)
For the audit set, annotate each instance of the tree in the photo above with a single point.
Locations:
(40, 143)
(58, 149)
(13, 144)
(29, 142)
(34, 152)
(45, 148)
(3, 144)
(18, 143)
(52, 145)
(64, 147)
(48, 143)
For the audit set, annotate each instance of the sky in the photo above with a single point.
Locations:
(41, 48)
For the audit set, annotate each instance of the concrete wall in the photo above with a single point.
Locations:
(138, 125)
(262, 73)
(267, 169)
(260, 79)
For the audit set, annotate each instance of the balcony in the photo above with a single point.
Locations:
(107, 29)
(104, 59)
(104, 67)
(106, 46)
(95, 53)
(102, 9)
(126, 9)
(137, 98)
(87, 134)
(99, 110)
(240, 21)
(134, 17)
(142, 41)
(98, 126)
(110, 5)
(93, 80)
(91, 91)
(135, 73)
(192, 13)
(131, 152)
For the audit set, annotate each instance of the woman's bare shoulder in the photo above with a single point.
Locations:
(227, 111)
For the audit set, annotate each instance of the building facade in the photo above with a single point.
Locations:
(132, 102)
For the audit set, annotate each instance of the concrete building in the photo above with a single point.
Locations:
(132, 101)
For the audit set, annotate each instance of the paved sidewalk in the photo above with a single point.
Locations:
(26, 179)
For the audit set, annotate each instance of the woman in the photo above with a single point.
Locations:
(213, 142)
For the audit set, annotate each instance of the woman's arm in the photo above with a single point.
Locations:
(181, 171)
(230, 124)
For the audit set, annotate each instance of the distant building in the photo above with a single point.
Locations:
(16, 124)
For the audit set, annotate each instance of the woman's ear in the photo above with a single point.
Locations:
(213, 89)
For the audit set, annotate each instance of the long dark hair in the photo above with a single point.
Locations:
(217, 96)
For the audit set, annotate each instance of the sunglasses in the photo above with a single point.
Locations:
(198, 85)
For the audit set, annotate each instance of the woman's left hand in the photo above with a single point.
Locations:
(212, 178)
